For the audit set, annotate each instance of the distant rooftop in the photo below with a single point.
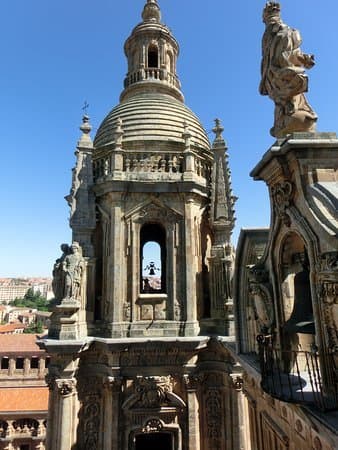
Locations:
(19, 343)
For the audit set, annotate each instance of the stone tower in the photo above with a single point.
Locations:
(137, 360)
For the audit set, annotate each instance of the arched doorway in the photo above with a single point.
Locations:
(154, 441)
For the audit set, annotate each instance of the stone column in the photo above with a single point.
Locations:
(190, 268)
(112, 388)
(115, 292)
(42, 367)
(193, 427)
(26, 367)
(239, 425)
(11, 367)
(65, 440)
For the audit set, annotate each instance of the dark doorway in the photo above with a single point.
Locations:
(154, 441)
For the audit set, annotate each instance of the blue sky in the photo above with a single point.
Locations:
(56, 55)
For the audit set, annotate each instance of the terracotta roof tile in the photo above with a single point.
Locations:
(24, 399)
(19, 343)
(10, 327)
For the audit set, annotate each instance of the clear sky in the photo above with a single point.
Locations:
(57, 54)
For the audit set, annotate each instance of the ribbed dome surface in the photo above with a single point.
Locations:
(152, 117)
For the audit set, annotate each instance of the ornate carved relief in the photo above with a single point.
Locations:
(90, 395)
(154, 212)
(152, 392)
(153, 426)
(329, 262)
(214, 413)
(327, 289)
(91, 422)
(282, 197)
(329, 296)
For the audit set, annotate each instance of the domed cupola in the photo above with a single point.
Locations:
(152, 111)
(152, 53)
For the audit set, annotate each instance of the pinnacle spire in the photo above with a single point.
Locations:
(151, 12)
(86, 128)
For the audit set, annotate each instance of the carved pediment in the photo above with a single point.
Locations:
(153, 393)
(153, 210)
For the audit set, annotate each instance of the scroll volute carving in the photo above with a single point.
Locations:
(282, 197)
(260, 290)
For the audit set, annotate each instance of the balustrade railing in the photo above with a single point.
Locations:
(296, 376)
(151, 74)
(169, 165)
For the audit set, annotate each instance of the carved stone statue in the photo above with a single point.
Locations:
(68, 273)
(283, 75)
(58, 278)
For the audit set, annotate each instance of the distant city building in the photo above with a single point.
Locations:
(12, 288)
(12, 328)
(23, 393)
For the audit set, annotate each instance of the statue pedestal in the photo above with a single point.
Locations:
(64, 320)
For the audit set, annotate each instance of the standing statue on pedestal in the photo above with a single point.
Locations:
(68, 272)
(58, 277)
(283, 75)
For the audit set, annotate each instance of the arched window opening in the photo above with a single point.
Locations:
(299, 326)
(152, 57)
(153, 259)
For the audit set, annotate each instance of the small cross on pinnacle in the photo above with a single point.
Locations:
(85, 107)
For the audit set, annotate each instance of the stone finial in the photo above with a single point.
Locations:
(218, 130)
(283, 75)
(151, 12)
(86, 128)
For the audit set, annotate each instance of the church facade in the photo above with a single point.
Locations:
(156, 338)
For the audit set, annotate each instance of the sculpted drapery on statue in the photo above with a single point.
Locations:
(68, 273)
(283, 76)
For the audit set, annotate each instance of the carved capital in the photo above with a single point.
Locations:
(237, 382)
(282, 197)
(193, 382)
(66, 386)
(112, 383)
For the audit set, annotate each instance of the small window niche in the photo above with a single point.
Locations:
(4, 363)
(152, 259)
(152, 57)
